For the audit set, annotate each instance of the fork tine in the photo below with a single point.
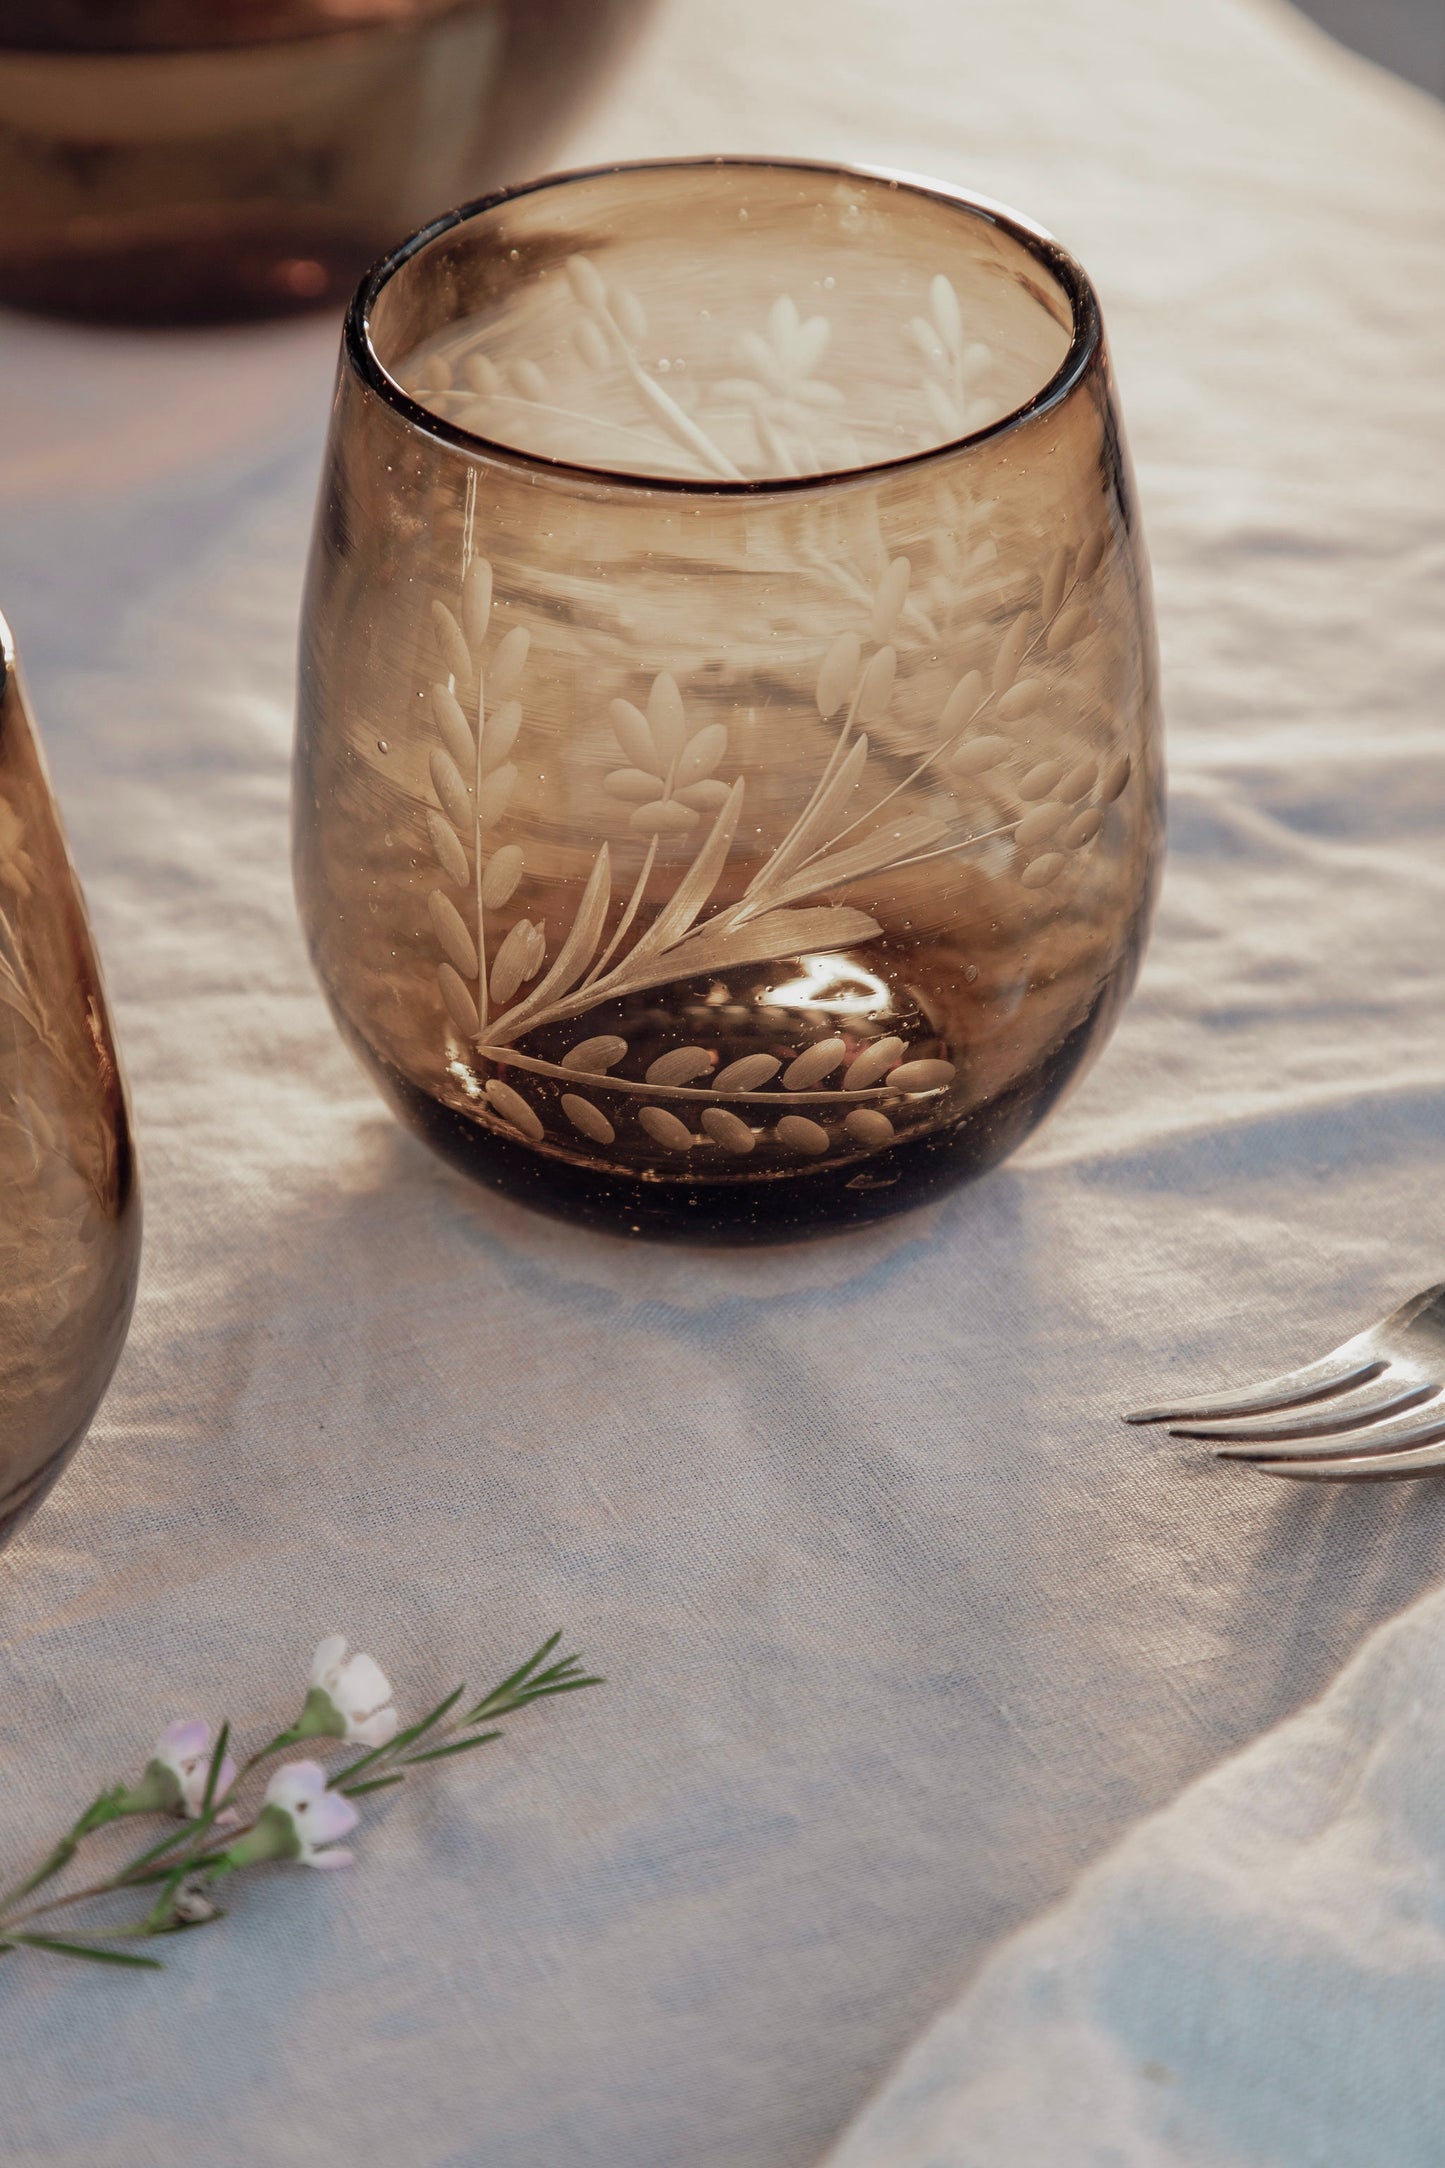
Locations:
(1403, 1434)
(1355, 1363)
(1359, 1467)
(1343, 1411)
(1429, 1298)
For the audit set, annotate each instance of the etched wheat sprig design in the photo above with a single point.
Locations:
(616, 321)
(473, 777)
(1052, 789)
(799, 420)
(954, 364)
(65, 1187)
(881, 1074)
(668, 788)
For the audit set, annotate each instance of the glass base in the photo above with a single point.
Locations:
(17, 1508)
(785, 1207)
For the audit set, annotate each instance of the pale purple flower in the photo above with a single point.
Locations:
(317, 1816)
(185, 1749)
(358, 1691)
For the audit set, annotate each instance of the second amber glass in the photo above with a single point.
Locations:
(173, 161)
(761, 832)
(70, 1217)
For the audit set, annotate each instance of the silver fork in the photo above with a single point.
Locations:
(1373, 1409)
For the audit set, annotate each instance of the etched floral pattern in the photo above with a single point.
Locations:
(851, 827)
(750, 403)
(791, 850)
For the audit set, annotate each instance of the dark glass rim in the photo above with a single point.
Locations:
(1083, 349)
(42, 45)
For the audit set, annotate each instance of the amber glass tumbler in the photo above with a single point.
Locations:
(176, 161)
(69, 1204)
(728, 790)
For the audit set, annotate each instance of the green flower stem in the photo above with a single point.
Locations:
(319, 1719)
(107, 1807)
(291, 1737)
(136, 1876)
(195, 1850)
(271, 1836)
(61, 1856)
(83, 1949)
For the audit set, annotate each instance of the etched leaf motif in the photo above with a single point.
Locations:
(702, 753)
(500, 735)
(817, 824)
(504, 870)
(875, 853)
(704, 797)
(947, 315)
(603, 1052)
(697, 884)
(664, 817)
(945, 410)
(473, 780)
(451, 932)
(889, 597)
(839, 674)
(580, 945)
(477, 603)
(876, 689)
(510, 966)
(509, 663)
(447, 850)
(666, 720)
(843, 834)
(455, 652)
(776, 933)
(451, 790)
(963, 702)
(453, 728)
(670, 784)
(634, 736)
(748, 1073)
(459, 1003)
(634, 786)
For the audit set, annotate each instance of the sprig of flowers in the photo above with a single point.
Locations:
(193, 1780)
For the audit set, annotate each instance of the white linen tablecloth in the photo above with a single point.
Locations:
(904, 1631)
(1255, 1976)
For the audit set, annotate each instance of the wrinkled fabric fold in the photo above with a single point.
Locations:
(902, 1629)
(1256, 1974)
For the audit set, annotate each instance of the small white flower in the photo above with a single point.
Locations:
(192, 1905)
(317, 1816)
(359, 1693)
(185, 1749)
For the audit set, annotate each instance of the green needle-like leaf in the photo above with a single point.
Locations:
(61, 1856)
(402, 1740)
(457, 1746)
(523, 1671)
(363, 1761)
(418, 1731)
(563, 1686)
(183, 1866)
(213, 1774)
(174, 1837)
(190, 1834)
(152, 1875)
(88, 1949)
